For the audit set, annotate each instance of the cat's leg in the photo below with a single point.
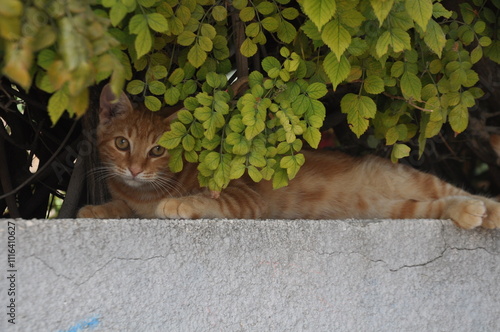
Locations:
(233, 202)
(112, 210)
(466, 211)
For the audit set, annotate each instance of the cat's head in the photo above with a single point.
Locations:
(127, 137)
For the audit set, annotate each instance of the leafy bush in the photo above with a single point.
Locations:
(411, 63)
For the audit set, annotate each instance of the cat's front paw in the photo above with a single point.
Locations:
(468, 213)
(92, 212)
(177, 208)
(492, 218)
(111, 210)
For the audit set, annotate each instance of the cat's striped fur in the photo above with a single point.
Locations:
(329, 185)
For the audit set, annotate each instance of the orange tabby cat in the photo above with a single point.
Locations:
(329, 185)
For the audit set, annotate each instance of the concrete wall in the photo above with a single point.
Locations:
(274, 275)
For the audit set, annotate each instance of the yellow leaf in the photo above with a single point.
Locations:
(319, 11)
(58, 74)
(11, 8)
(78, 104)
(58, 103)
(10, 28)
(18, 62)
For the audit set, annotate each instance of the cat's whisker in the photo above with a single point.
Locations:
(168, 185)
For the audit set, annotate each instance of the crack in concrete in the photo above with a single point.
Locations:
(50, 268)
(59, 275)
(119, 259)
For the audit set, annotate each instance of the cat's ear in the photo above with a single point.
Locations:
(111, 106)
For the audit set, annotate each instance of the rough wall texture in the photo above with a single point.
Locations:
(248, 275)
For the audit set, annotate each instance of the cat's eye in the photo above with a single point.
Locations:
(122, 143)
(157, 151)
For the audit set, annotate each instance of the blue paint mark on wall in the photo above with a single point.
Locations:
(87, 324)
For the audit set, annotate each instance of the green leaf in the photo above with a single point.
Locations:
(400, 40)
(336, 37)
(45, 58)
(143, 43)
(319, 11)
(157, 87)
(185, 116)
(138, 23)
(438, 10)
(337, 71)
(270, 24)
(237, 168)
(290, 13)
(476, 54)
(382, 45)
(381, 9)
(312, 137)
(397, 68)
(254, 174)
(316, 90)
(152, 103)
(158, 72)
(175, 162)
(172, 95)
(248, 48)
(292, 164)
(280, 178)
(177, 76)
(265, 7)
(253, 29)
(58, 103)
(459, 118)
(468, 13)
(212, 160)
(188, 142)
(374, 85)
(358, 47)
(197, 56)
(351, 18)
(493, 51)
(434, 37)
(411, 86)
(117, 13)
(269, 63)
(359, 110)
(247, 14)
(311, 30)
(286, 32)
(186, 38)
(157, 22)
(420, 11)
(253, 130)
(169, 140)
(219, 13)
(208, 30)
(399, 151)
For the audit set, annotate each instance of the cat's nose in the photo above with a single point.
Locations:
(134, 171)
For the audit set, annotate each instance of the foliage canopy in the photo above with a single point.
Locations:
(411, 61)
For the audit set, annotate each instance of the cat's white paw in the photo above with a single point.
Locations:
(469, 213)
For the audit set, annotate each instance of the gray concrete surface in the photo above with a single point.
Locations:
(247, 275)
